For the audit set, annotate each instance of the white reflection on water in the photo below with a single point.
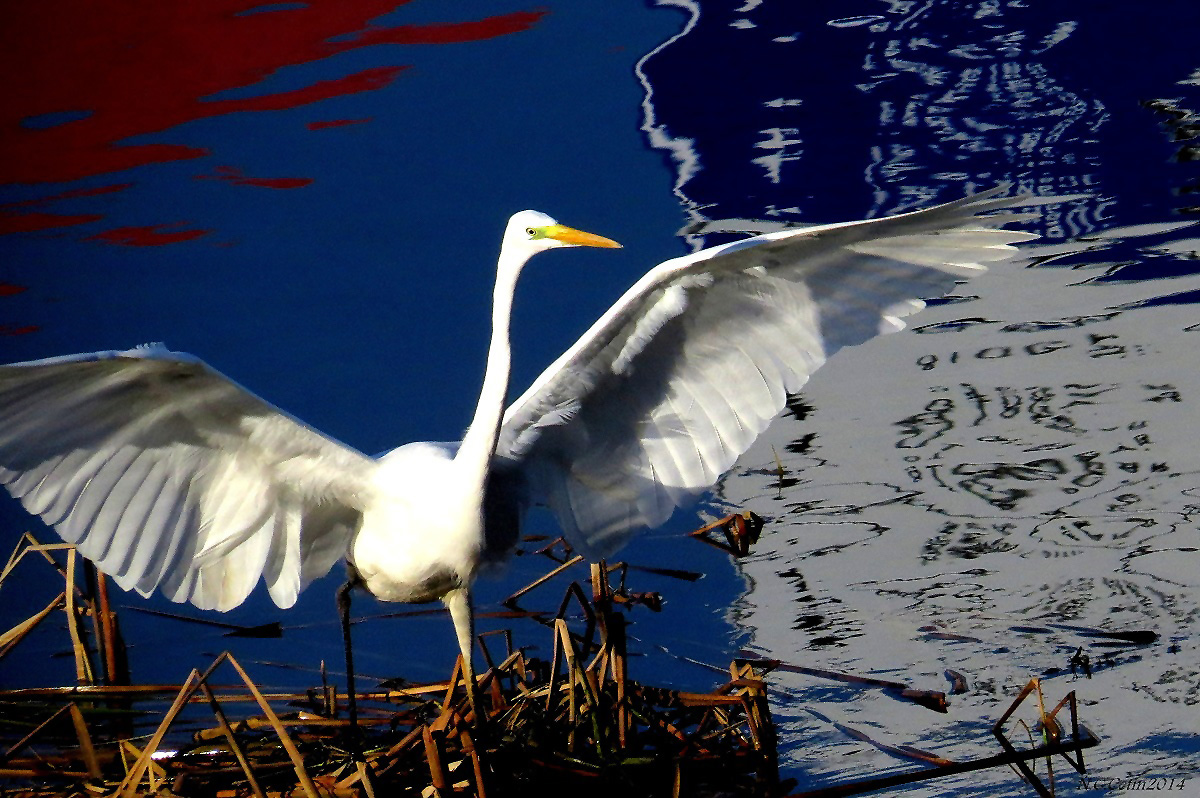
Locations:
(975, 496)
(979, 497)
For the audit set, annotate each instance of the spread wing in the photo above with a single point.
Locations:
(659, 398)
(168, 475)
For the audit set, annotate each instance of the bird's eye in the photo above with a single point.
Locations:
(531, 232)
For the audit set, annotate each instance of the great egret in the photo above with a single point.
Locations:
(170, 476)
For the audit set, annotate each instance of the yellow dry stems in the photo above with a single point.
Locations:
(576, 722)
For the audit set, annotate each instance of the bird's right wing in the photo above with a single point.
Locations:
(168, 475)
(659, 398)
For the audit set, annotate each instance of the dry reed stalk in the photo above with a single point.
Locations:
(17, 633)
(284, 738)
(27, 544)
(437, 771)
(468, 748)
(578, 558)
(83, 667)
(233, 743)
(86, 749)
(741, 531)
(128, 786)
(107, 634)
(579, 716)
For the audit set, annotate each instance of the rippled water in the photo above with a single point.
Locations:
(984, 498)
(307, 195)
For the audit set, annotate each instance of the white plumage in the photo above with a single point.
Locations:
(172, 477)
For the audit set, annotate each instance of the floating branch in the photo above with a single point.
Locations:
(930, 699)
(740, 531)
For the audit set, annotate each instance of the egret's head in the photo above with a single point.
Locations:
(533, 232)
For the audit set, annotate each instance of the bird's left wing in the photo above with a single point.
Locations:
(168, 475)
(675, 381)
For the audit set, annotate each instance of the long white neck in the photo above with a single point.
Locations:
(479, 443)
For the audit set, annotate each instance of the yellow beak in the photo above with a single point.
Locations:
(569, 235)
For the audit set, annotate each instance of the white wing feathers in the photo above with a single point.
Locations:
(168, 475)
(171, 477)
(660, 397)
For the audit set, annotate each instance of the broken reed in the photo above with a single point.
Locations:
(577, 721)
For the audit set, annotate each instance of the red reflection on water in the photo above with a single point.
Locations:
(148, 236)
(32, 222)
(10, 329)
(8, 289)
(94, 74)
(12, 221)
(72, 194)
(487, 28)
(231, 174)
(324, 123)
(366, 80)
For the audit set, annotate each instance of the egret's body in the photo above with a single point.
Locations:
(173, 478)
(423, 536)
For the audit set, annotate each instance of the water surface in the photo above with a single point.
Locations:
(309, 196)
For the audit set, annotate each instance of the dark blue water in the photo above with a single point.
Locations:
(319, 219)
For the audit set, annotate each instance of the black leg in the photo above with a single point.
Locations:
(343, 600)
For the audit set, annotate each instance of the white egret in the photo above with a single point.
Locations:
(171, 477)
